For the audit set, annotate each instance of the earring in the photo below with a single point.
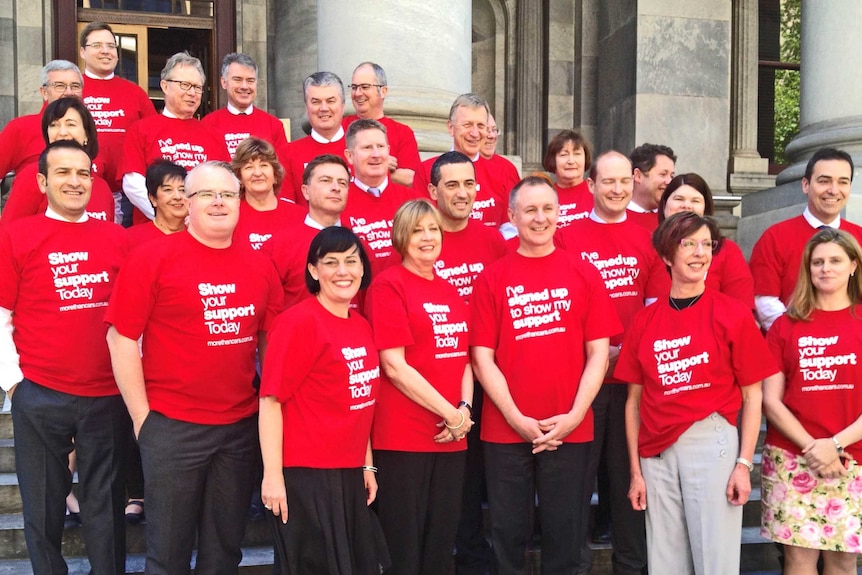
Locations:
(85, 143)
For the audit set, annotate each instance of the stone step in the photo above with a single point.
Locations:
(13, 546)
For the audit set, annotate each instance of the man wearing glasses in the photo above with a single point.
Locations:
(174, 135)
(21, 140)
(240, 119)
(368, 90)
(202, 304)
(114, 102)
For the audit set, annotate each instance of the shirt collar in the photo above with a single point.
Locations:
(236, 111)
(633, 206)
(89, 74)
(312, 223)
(320, 139)
(55, 216)
(596, 218)
(364, 187)
(474, 159)
(815, 223)
(168, 114)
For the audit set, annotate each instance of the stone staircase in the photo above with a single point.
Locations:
(759, 556)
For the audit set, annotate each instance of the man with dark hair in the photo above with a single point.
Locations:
(324, 106)
(373, 198)
(21, 140)
(468, 248)
(174, 135)
(468, 126)
(114, 102)
(777, 254)
(538, 302)
(653, 166)
(240, 119)
(202, 304)
(325, 182)
(368, 90)
(57, 271)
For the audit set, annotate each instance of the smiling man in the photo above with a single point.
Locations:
(373, 197)
(174, 134)
(653, 170)
(240, 118)
(203, 304)
(57, 271)
(777, 254)
(538, 302)
(114, 102)
(368, 90)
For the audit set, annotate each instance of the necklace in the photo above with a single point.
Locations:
(684, 303)
(165, 228)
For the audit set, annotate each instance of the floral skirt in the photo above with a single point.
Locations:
(802, 509)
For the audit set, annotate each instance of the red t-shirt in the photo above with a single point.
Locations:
(235, 128)
(325, 372)
(493, 184)
(370, 218)
(649, 220)
(115, 105)
(289, 253)
(576, 203)
(537, 314)
(140, 234)
(402, 141)
(299, 153)
(26, 199)
(184, 142)
(56, 277)
(428, 319)
(256, 228)
(199, 310)
(777, 255)
(730, 275)
(691, 363)
(21, 142)
(624, 257)
(466, 253)
(820, 361)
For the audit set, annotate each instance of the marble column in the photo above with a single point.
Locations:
(530, 79)
(425, 49)
(831, 83)
(747, 170)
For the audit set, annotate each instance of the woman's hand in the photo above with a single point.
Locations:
(455, 429)
(274, 495)
(833, 470)
(739, 485)
(370, 486)
(821, 454)
(637, 493)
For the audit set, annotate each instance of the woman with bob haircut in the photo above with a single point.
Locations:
(569, 158)
(729, 272)
(812, 486)
(692, 360)
(321, 379)
(424, 411)
(62, 119)
(261, 212)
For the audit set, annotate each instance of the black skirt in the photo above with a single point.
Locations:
(329, 528)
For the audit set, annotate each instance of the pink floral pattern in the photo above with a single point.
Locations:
(799, 508)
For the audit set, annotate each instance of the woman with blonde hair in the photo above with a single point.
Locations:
(812, 487)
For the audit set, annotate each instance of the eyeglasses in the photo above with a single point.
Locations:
(99, 45)
(61, 87)
(209, 195)
(691, 245)
(492, 131)
(364, 87)
(186, 86)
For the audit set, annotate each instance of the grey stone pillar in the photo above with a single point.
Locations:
(530, 101)
(748, 171)
(425, 49)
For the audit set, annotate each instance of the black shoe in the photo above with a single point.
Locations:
(135, 517)
(72, 520)
(601, 535)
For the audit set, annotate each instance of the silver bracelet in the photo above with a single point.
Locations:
(837, 445)
(370, 468)
(746, 463)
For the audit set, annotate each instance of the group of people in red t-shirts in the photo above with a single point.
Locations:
(518, 338)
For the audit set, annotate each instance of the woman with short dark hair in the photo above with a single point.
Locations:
(569, 158)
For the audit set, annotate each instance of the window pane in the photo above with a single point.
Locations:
(182, 7)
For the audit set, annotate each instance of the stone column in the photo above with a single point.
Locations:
(831, 83)
(530, 101)
(425, 49)
(748, 171)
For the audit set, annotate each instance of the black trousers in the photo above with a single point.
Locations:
(45, 422)
(515, 477)
(628, 535)
(197, 479)
(419, 503)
